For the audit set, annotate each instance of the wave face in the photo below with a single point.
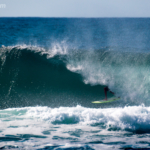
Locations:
(33, 75)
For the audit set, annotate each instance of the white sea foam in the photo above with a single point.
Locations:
(59, 126)
(74, 69)
(131, 117)
(57, 49)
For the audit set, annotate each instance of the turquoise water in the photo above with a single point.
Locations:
(51, 69)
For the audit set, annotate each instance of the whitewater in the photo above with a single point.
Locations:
(51, 69)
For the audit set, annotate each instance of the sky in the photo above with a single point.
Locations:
(75, 8)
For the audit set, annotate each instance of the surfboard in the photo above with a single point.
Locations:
(107, 101)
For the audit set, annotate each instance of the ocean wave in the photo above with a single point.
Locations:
(58, 73)
(130, 118)
(30, 77)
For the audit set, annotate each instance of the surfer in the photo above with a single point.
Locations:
(106, 89)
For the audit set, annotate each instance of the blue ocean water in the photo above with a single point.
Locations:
(51, 69)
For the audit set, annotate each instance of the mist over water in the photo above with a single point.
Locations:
(51, 69)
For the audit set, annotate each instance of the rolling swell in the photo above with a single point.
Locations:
(29, 78)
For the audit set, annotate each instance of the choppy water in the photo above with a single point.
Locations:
(50, 71)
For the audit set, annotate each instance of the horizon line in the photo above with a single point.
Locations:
(65, 17)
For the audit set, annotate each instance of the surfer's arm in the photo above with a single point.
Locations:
(112, 92)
